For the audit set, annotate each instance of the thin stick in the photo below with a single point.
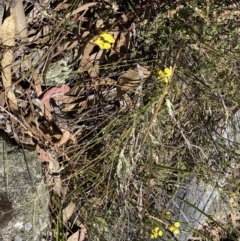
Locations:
(160, 100)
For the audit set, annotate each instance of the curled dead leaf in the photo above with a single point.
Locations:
(130, 80)
(65, 137)
(43, 155)
(55, 91)
(74, 236)
(78, 235)
(68, 211)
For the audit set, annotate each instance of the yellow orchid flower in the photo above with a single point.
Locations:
(174, 229)
(102, 44)
(165, 74)
(177, 224)
(156, 232)
(104, 40)
(160, 233)
(107, 37)
(171, 228)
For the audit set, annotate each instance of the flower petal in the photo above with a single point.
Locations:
(167, 72)
(166, 80)
(177, 224)
(171, 228)
(176, 231)
(106, 45)
(161, 73)
(107, 37)
(99, 42)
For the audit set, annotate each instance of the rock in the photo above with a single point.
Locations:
(195, 201)
(190, 204)
(24, 195)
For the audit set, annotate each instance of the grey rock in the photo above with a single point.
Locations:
(24, 195)
(17, 238)
(191, 204)
(28, 226)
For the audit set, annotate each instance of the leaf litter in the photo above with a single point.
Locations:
(58, 120)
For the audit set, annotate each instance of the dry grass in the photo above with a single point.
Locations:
(127, 160)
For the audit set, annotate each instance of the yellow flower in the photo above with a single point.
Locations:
(173, 229)
(107, 37)
(160, 233)
(177, 224)
(176, 231)
(104, 40)
(165, 74)
(156, 232)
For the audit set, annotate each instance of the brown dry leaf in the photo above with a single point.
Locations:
(99, 23)
(75, 236)
(83, 232)
(85, 34)
(130, 80)
(65, 137)
(68, 211)
(74, 107)
(54, 167)
(79, 235)
(36, 80)
(122, 43)
(8, 128)
(96, 201)
(7, 33)
(95, 58)
(85, 58)
(33, 16)
(66, 99)
(57, 185)
(56, 136)
(71, 107)
(19, 19)
(81, 8)
(53, 176)
(47, 110)
(43, 155)
(69, 45)
(2, 98)
(64, 192)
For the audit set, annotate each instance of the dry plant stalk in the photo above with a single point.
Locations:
(165, 91)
